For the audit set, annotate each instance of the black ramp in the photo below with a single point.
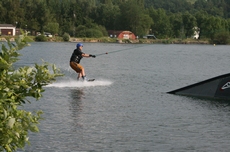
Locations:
(217, 87)
(223, 90)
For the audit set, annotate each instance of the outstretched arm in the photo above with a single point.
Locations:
(88, 55)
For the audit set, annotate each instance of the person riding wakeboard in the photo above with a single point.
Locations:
(75, 59)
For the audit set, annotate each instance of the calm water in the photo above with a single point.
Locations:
(127, 107)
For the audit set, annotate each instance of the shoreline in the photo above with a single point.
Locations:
(114, 40)
(142, 41)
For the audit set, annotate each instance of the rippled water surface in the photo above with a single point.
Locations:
(127, 107)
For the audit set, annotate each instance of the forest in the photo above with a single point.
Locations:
(92, 18)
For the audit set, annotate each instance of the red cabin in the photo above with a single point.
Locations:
(122, 34)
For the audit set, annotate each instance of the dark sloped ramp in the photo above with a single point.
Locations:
(217, 87)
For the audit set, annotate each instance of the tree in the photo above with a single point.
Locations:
(173, 6)
(162, 26)
(106, 15)
(177, 25)
(52, 27)
(3, 11)
(13, 12)
(29, 8)
(200, 19)
(134, 17)
(43, 15)
(90, 29)
(221, 38)
(87, 6)
(16, 85)
(189, 22)
(211, 26)
(211, 7)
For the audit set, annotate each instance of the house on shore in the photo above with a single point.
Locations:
(7, 29)
(121, 34)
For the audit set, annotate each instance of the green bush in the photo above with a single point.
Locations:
(90, 33)
(94, 33)
(16, 86)
(41, 38)
(66, 37)
(221, 38)
(103, 30)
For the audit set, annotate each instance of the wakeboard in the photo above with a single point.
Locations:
(90, 80)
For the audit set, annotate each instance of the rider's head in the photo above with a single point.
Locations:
(78, 45)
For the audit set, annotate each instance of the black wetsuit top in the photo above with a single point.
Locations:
(76, 56)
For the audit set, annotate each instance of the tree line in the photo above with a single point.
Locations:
(92, 18)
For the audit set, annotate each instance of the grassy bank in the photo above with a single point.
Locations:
(114, 40)
(145, 41)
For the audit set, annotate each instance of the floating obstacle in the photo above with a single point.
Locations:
(217, 87)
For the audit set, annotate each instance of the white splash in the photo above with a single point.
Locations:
(79, 84)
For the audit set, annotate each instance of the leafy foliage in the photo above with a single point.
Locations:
(189, 22)
(41, 38)
(66, 37)
(221, 38)
(52, 27)
(16, 85)
(161, 26)
(135, 18)
(163, 18)
(90, 29)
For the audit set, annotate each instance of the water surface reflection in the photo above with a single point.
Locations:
(76, 107)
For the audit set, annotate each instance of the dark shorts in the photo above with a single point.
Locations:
(76, 67)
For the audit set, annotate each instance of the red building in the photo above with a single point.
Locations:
(122, 34)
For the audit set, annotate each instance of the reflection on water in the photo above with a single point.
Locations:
(211, 102)
(76, 106)
(77, 93)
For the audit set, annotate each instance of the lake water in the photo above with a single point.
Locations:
(127, 107)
